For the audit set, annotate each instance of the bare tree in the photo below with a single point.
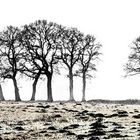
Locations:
(132, 67)
(88, 56)
(31, 68)
(70, 52)
(40, 41)
(11, 54)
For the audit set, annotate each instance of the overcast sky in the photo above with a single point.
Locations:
(115, 23)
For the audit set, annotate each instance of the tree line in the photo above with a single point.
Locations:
(40, 48)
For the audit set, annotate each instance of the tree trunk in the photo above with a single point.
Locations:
(71, 85)
(34, 87)
(1, 94)
(84, 86)
(17, 96)
(49, 87)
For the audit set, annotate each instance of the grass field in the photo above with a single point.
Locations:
(93, 120)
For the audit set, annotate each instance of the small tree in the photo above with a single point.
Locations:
(11, 54)
(132, 67)
(40, 42)
(70, 53)
(88, 56)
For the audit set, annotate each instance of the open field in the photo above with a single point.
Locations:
(69, 121)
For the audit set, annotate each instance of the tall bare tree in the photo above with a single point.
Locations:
(88, 58)
(11, 54)
(132, 67)
(70, 53)
(40, 41)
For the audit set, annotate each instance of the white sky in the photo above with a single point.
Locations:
(115, 23)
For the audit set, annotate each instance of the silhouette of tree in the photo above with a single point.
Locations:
(11, 54)
(40, 40)
(132, 67)
(70, 52)
(31, 68)
(87, 60)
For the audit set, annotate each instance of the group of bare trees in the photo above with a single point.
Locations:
(37, 50)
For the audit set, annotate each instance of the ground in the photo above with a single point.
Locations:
(68, 121)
